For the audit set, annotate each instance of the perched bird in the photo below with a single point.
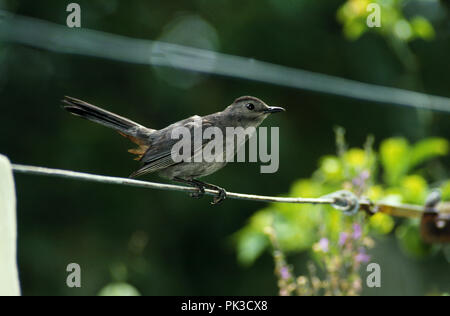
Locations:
(155, 146)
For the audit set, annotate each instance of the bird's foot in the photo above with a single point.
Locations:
(197, 184)
(220, 197)
(199, 194)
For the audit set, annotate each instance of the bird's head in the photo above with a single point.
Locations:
(250, 109)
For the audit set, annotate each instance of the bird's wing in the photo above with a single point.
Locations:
(159, 155)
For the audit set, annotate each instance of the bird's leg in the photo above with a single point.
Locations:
(217, 199)
(194, 183)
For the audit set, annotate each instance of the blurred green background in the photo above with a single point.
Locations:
(166, 243)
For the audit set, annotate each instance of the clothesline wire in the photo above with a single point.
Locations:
(337, 199)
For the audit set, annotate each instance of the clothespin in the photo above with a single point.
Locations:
(435, 221)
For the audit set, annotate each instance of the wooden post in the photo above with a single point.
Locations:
(9, 276)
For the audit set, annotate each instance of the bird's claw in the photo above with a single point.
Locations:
(220, 197)
(199, 194)
(200, 186)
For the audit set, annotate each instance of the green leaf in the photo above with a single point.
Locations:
(423, 28)
(331, 169)
(119, 289)
(251, 240)
(354, 29)
(428, 149)
(403, 30)
(446, 191)
(356, 159)
(394, 155)
(414, 189)
(297, 233)
(250, 246)
(411, 243)
(381, 223)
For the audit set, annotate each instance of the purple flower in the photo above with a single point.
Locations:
(343, 237)
(285, 274)
(362, 256)
(361, 179)
(357, 231)
(357, 182)
(365, 175)
(324, 245)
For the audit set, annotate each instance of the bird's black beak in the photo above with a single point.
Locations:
(274, 109)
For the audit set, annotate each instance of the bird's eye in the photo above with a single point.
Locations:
(250, 106)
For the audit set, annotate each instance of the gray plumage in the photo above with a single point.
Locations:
(155, 146)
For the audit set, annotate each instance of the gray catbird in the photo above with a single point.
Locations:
(155, 146)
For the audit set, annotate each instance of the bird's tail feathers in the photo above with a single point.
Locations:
(135, 132)
(98, 115)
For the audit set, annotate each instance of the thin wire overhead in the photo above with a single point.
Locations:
(61, 39)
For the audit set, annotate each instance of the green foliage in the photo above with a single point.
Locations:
(354, 14)
(398, 157)
(381, 224)
(299, 227)
(394, 156)
(446, 191)
(119, 289)
(427, 149)
(341, 259)
(408, 236)
(252, 241)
